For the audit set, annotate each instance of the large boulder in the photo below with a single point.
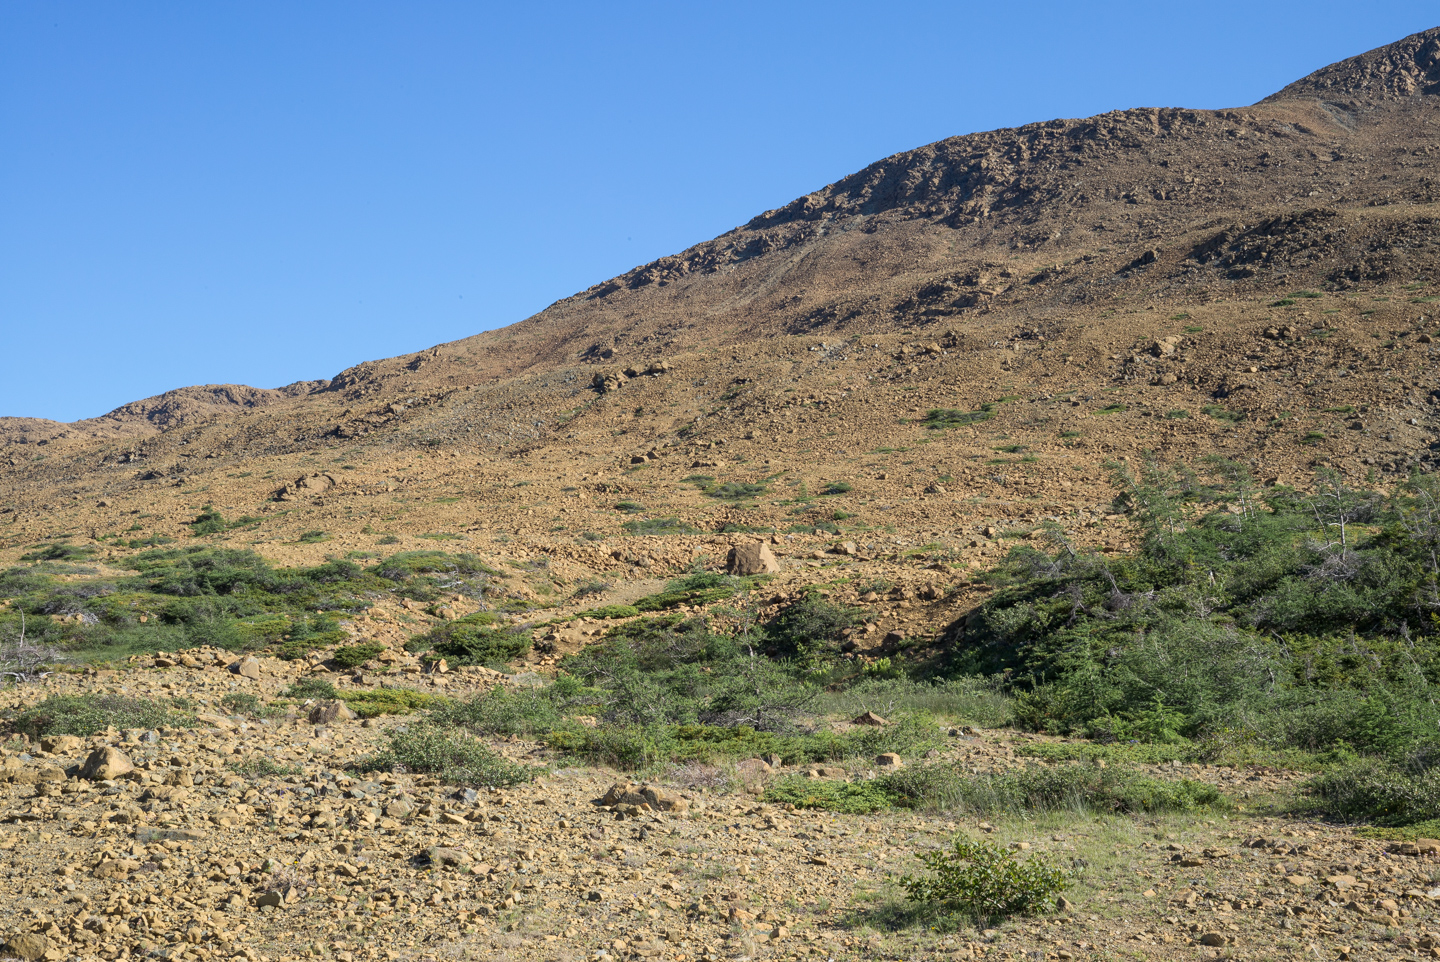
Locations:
(752, 558)
(30, 946)
(105, 764)
(247, 667)
(625, 794)
(330, 712)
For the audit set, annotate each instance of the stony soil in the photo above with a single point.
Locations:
(194, 854)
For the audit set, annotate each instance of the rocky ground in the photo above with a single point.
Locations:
(260, 839)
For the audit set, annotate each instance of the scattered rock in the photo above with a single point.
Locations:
(105, 764)
(752, 558)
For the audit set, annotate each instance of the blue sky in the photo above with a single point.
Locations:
(265, 192)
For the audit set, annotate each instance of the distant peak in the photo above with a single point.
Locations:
(1400, 69)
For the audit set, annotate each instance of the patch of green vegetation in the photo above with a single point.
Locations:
(979, 882)
(210, 521)
(1312, 437)
(443, 536)
(312, 537)
(449, 753)
(1177, 414)
(86, 715)
(59, 552)
(658, 526)
(373, 702)
(836, 488)
(1115, 408)
(1283, 302)
(474, 640)
(736, 491)
(1343, 409)
(609, 612)
(257, 766)
(353, 656)
(1306, 294)
(940, 419)
(629, 507)
(1194, 329)
(1223, 414)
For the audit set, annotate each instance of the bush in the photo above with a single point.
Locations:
(86, 715)
(374, 702)
(317, 688)
(242, 703)
(1379, 791)
(942, 418)
(849, 798)
(609, 612)
(353, 656)
(809, 631)
(450, 753)
(736, 491)
(1073, 788)
(837, 487)
(471, 641)
(980, 881)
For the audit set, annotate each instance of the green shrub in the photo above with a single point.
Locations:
(658, 526)
(471, 641)
(86, 715)
(312, 537)
(849, 798)
(319, 688)
(453, 755)
(353, 656)
(837, 487)
(373, 702)
(942, 418)
(980, 881)
(737, 491)
(1379, 791)
(629, 507)
(242, 703)
(1038, 788)
(260, 767)
(609, 612)
(208, 521)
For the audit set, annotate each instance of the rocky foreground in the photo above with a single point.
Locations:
(262, 840)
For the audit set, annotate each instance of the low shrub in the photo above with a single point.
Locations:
(353, 656)
(373, 702)
(450, 753)
(1378, 791)
(86, 715)
(472, 641)
(983, 882)
(304, 688)
(850, 798)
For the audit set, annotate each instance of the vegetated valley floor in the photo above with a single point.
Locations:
(894, 383)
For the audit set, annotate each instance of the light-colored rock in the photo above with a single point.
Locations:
(247, 667)
(329, 712)
(869, 718)
(106, 763)
(752, 558)
(889, 760)
(60, 744)
(28, 947)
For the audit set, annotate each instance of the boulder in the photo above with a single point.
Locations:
(889, 760)
(329, 712)
(30, 946)
(105, 764)
(247, 667)
(60, 744)
(642, 796)
(869, 718)
(752, 558)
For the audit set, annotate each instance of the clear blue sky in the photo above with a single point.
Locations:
(264, 192)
